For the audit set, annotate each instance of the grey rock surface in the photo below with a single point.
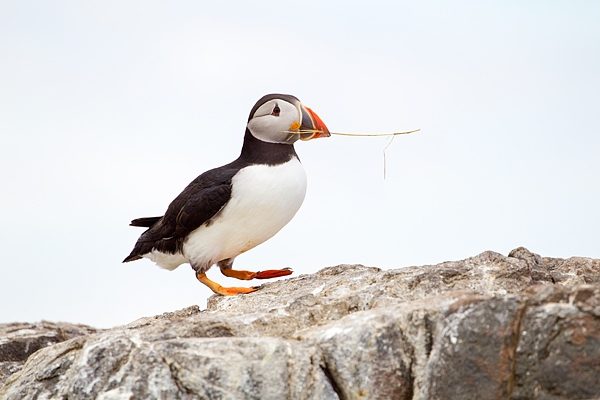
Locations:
(20, 340)
(488, 327)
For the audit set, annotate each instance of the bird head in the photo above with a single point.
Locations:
(282, 118)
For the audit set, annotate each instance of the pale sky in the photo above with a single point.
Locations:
(109, 109)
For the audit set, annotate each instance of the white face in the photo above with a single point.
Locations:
(273, 119)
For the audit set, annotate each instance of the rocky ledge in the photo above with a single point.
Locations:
(488, 327)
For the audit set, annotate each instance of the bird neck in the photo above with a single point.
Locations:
(255, 151)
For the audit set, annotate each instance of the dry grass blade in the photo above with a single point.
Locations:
(384, 159)
(309, 131)
(374, 134)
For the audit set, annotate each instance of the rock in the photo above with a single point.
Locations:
(19, 340)
(488, 327)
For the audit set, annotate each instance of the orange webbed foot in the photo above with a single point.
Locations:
(247, 275)
(273, 273)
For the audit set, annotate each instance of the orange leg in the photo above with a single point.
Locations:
(247, 275)
(225, 291)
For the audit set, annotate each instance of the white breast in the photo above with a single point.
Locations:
(263, 200)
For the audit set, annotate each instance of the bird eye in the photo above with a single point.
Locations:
(276, 111)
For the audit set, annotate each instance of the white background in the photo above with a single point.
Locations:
(109, 108)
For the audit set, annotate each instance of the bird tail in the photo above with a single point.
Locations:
(132, 257)
(146, 222)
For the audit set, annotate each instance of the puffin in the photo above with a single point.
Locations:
(229, 210)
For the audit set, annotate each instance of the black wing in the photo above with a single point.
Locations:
(200, 201)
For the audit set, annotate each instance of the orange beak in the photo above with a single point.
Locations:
(312, 122)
